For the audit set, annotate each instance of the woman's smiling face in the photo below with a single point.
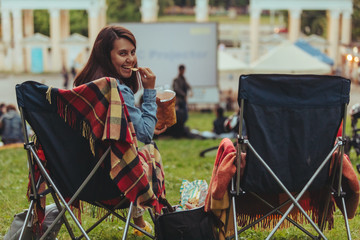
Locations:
(123, 57)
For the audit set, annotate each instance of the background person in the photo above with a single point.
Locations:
(65, 75)
(113, 55)
(218, 123)
(11, 126)
(2, 109)
(181, 87)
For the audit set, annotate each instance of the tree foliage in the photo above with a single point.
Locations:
(356, 21)
(314, 22)
(123, 11)
(41, 22)
(79, 22)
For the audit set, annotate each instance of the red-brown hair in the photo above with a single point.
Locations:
(99, 64)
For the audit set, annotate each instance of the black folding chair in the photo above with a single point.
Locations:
(292, 123)
(72, 172)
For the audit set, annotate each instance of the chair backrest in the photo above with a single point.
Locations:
(292, 122)
(69, 157)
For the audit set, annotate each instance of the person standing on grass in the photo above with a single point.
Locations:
(181, 87)
(114, 55)
(65, 75)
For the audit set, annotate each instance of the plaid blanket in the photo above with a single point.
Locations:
(98, 110)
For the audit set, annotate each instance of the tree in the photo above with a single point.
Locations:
(356, 21)
(123, 11)
(79, 22)
(314, 22)
(41, 22)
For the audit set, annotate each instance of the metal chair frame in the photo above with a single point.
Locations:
(59, 200)
(236, 190)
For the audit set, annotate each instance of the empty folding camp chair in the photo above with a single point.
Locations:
(294, 162)
(85, 150)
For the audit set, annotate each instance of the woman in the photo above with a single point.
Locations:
(114, 55)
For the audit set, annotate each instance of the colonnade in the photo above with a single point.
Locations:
(17, 23)
(338, 21)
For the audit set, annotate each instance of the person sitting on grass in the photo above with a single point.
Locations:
(11, 126)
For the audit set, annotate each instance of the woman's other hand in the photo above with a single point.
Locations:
(147, 77)
(160, 131)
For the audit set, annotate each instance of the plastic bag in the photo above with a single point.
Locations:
(51, 212)
(192, 194)
(16, 225)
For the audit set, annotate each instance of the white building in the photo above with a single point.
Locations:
(23, 50)
(338, 25)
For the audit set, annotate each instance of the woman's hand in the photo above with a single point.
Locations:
(147, 77)
(160, 131)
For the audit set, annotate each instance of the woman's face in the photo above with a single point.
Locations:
(123, 57)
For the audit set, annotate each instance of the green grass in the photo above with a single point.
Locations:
(239, 19)
(181, 161)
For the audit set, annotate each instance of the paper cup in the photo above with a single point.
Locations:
(166, 113)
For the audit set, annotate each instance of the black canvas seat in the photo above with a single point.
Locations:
(72, 172)
(292, 123)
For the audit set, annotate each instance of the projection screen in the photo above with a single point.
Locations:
(164, 46)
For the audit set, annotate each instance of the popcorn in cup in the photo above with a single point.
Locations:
(166, 113)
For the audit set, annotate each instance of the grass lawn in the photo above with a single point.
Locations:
(181, 161)
(239, 19)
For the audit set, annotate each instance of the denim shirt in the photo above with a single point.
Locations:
(144, 121)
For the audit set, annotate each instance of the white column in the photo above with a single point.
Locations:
(202, 10)
(149, 10)
(93, 24)
(6, 38)
(65, 24)
(333, 37)
(18, 58)
(295, 24)
(102, 17)
(65, 33)
(5, 25)
(254, 33)
(55, 40)
(27, 56)
(28, 23)
(346, 28)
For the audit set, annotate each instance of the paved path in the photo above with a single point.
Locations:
(8, 82)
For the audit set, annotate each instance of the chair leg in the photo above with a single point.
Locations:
(346, 218)
(128, 221)
(66, 222)
(110, 211)
(322, 221)
(51, 183)
(27, 218)
(295, 201)
(234, 209)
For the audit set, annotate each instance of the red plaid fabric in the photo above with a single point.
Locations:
(98, 110)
